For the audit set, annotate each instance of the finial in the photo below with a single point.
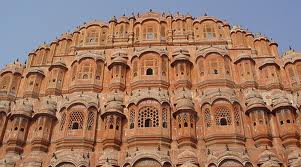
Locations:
(205, 14)
(290, 47)
(150, 10)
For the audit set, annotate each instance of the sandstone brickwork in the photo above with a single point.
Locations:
(153, 90)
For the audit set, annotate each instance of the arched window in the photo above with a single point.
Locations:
(5, 80)
(209, 32)
(132, 119)
(236, 115)
(86, 70)
(63, 121)
(164, 66)
(98, 72)
(148, 117)
(135, 68)
(164, 118)
(207, 118)
(179, 121)
(76, 120)
(90, 122)
(185, 119)
(201, 67)
(222, 116)
(92, 37)
(117, 123)
(137, 34)
(149, 66)
(149, 71)
(111, 122)
(163, 31)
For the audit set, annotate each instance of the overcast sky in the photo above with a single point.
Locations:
(25, 24)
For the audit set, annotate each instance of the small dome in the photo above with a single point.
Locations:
(254, 100)
(23, 107)
(267, 158)
(114, 104)
(187, 157)
(48, 107)
(280, 100)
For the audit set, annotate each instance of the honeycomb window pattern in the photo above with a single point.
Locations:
(132, 119)
(222, 116)
(236, 116)
(164, 118)
(76, 120)
(207, 118)
(63, 121)
(90, 120)
(148, 117)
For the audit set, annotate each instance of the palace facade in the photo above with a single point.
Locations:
(153, 90)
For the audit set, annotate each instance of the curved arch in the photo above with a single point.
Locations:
(230, 163)
(140, 99)
(205, 51)
(143, 51)
(65, 164)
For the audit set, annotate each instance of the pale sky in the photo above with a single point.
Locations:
(26, 24)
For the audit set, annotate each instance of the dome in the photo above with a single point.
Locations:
(114, 104)
(187, 157)
(16, 67)
(23, 107)
(254, 100)
(267, 158)
(280, 100)
(47, 107)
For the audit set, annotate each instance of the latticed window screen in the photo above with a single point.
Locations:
(90, 120)
(117, 123)
(292, 75)
(92, 37)
(222, 116)
(76, 120)
(4, 82)
(164, 66)
(98, 70)
(135, 68)
(201, 67)
(63, 121)
(236, 115)
(164, 118)
(209, 32)
(150, 64)
(207, 117)
(111, 122)
(191, 120)
(179, 121)
(132, 119)
(106, 122)
(148, 117)
(185, 119)
(86, 71)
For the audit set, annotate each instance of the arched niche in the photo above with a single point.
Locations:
(147, 162)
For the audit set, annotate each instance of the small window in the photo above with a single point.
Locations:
(281, 122)
(75, 125)
(16, 128)
(132, 126)
(85, 76)
(180, 126)
(149, 71)
(164, 124)
(215, 71)
(254, 123)
(22, 129)
(223, 121)
(288, 121)
(40, 128)
(117, 127)
(111, 127)
(185, 124)
(148, 123)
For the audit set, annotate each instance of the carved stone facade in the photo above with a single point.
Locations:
(153, 90)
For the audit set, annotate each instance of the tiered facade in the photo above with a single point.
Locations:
(153, 90)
